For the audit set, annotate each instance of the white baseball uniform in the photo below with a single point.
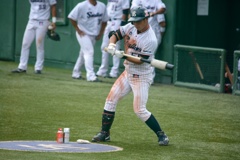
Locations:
(36, 28)
(136, 78)
(89, 19)
(114, 10)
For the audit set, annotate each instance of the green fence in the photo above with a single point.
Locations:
(236, 73)
(199, 67)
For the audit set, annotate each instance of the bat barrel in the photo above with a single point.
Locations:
(169, 66)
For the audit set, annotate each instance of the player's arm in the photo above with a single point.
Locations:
(160, 11)
(54, 14)
(74, 23)
(124, 17)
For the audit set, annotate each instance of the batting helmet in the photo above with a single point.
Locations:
(138, 14)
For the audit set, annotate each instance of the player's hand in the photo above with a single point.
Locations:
(119, 54)
(53, 25)
(151, 14)
(111, 48)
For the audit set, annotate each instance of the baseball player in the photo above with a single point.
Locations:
(36, 29)
(89, 18)
(117, 13)
(155, 8)
(140, 41)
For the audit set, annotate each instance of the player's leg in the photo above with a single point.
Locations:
(87, 46)
(140, 92)
(40, 37)
(76, 74)
(28, 38)
(102, 71)
(119, 89)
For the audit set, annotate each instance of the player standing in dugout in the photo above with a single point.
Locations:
(36, 28)
(118, 14)
(89, 18)
(140, 41)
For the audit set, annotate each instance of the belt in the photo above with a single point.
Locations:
(113, 19)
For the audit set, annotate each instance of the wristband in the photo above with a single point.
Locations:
(54, 19)
(162, 29)
(124, 57)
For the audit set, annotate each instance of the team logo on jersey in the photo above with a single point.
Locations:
(150, 7)
(91, 15)
(132, 43)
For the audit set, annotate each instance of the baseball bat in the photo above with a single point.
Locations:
(154, 62)
(196, 65)
(229, 74)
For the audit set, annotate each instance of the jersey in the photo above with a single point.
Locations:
(40, 9)
(116, 7)
(89, 17)
(138, 44)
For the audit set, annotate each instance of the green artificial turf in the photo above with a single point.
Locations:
(200, 124)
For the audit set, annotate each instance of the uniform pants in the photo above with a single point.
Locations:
(86, 57)
(124, 85)
(34, 29)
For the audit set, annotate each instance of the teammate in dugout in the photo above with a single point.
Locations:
(117, 13)
(140, 40)
(36, 28)
(89, 18)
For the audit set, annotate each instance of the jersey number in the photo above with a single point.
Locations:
(42, 7)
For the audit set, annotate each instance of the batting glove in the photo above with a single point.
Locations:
(111, 48)
(119, 54)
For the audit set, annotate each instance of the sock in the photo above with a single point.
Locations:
(107, 120)
(153, 124)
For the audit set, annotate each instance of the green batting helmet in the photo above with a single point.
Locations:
(138, 14)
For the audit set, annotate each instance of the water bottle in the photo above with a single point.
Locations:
(66, 135)
(60, 135)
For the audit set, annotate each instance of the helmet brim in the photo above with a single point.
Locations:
(135, 19)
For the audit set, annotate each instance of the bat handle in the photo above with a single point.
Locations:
(169, 66)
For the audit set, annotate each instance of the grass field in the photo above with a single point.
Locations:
(200, 124)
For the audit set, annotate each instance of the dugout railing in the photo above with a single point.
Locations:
(199, 67)
(236, 73)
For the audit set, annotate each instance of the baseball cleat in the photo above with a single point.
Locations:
(79, 78)
(96, 80)
(99, 75)
(162, 138)
(38, 72)
(101, 137)
(18, 70)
